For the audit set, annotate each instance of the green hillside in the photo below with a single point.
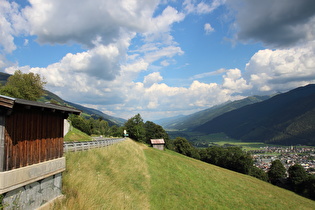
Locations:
(192, 121)
(130, 175)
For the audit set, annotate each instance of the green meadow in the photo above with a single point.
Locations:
(130, 175)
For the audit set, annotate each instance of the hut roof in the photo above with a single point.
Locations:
(157, 141)
(9, 102)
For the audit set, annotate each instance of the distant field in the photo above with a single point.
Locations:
(221, 139)
(244, 145)
(130, 175)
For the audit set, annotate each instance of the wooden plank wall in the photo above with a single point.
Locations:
(32, 136)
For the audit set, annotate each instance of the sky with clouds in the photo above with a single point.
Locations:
(160, 58)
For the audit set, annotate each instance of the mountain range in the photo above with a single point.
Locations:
(190, 122)
(286, 119)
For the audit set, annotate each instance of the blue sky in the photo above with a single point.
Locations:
(160, 58)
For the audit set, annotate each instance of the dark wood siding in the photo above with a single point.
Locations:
(32, 136)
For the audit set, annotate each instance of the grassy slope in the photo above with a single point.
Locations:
(76, 135)
(132, 176)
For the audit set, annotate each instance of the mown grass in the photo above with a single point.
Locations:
(179, 182)
(114, 177)
(129, 175)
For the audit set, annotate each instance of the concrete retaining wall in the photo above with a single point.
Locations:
(34, 195)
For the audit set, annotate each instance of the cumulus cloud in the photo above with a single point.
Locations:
(153, 78)
(208, 28)
(281, 69)
(11, 23)
(234, 82)
(159, 27)
(100, 62)
(276, 23)
(83, 22)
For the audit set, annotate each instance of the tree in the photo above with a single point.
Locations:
(182, 146)
(310, 187)
(80, 123)
(154, 131)
(116, 131)
(258, 173)
(276, 172)
(297, 177)
(135, 128)
(233, 158)
(25, 86)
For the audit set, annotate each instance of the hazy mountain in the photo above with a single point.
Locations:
(97, 114)
(49, 96)
(192, 121)
(4, 77)
(287, 118)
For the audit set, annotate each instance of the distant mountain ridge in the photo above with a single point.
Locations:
(49, 96)
(96, 113)
(190, 122)
(287, 118)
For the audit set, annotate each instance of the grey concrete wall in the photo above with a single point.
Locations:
(66, 127)
(33, 195)
(13, 179)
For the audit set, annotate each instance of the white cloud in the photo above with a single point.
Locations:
(168, 51)
(208, 74)
(234, 82)
(165, 63)
(11, 23)
(82, 21)
(208, 28)
(159, 27)
(191, 6)
(150, 79)
(282, 69)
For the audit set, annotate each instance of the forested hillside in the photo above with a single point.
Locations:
(192, 121)
(287, 119)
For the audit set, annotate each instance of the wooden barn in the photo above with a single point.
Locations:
(158, 143)
(31, 141)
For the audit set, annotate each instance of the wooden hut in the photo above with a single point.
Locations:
(158, 143)
(31, 141)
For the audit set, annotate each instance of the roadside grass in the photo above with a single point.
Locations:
(114, 177)
(76, 135)
(129, 175)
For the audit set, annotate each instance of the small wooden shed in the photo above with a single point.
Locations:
(31, 150)
(30, 132)
(158, 143)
